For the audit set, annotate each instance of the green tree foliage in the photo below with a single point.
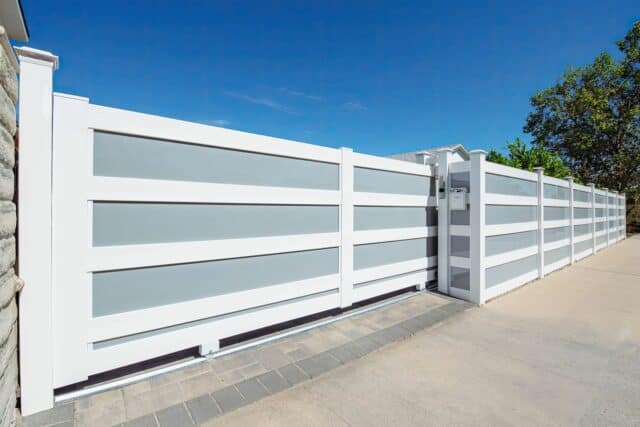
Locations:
(591, 119)
(523, 157)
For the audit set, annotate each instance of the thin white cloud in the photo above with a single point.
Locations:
(220, 122)
(267, 102)
(297, 93)
(354, 106)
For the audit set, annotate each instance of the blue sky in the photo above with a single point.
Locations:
(381, 77)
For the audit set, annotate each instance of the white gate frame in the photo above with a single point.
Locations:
(57, 259)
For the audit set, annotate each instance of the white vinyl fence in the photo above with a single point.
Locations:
(142, 235)
(523, 225)
(167, 235)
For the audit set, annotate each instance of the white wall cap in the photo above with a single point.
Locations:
(41, 55)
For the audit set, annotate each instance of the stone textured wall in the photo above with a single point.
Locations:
(9, 282)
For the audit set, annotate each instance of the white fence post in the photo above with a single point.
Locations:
(593, 218)
(34, 249)
(540, 172)
(477, 226)
(444, 158)
(571, 221)
(346, 227)
(70, 238)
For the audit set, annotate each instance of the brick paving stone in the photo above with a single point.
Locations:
(367, 344)
(298, 353)
(57, 414)
(253, 370)
(145, 421)
(103, 414)
(203, 408)
(174, 416)
(99, 399)
(153, 400)
(231, 377)
(228, 398)
(343, 353)
(232, 361)
(318, 364)
(272, 358)
(293, 374)
(273, 382)
(205, 383)
(252, 390)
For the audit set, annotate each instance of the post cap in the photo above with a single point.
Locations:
(569, 178)
(538, 169)
(40, 55)
(478, 152)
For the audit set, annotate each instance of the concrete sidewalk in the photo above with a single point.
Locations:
(564, 350)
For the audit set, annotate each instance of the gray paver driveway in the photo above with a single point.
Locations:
(561, 351)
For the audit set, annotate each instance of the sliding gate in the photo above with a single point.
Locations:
(166, 235)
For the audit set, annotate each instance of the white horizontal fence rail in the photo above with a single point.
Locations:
(168, 235)
(525, 225)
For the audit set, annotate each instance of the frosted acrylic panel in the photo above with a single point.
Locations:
(460, 246)
(612, 212)
(582, 229)
(460, 180)
(154, 332)
(612, 224)
(140, 223)
(581, 213)
(375, 254)
(556, 255)
(556, 233)
(599, 226)
(501, 273)
(600, 198)
(510, 242)
(583, 246)
(135, 289)
(612, 200)
(601, 239)
(500, 184)
(384, 279)
(556, 192)
(554, 213)
(498, 214)
(460, 217)
(378, 217)
(432, 216)
(599, 212)
(137, 157)
(581, 196)
(460, 278)
(379, 181)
